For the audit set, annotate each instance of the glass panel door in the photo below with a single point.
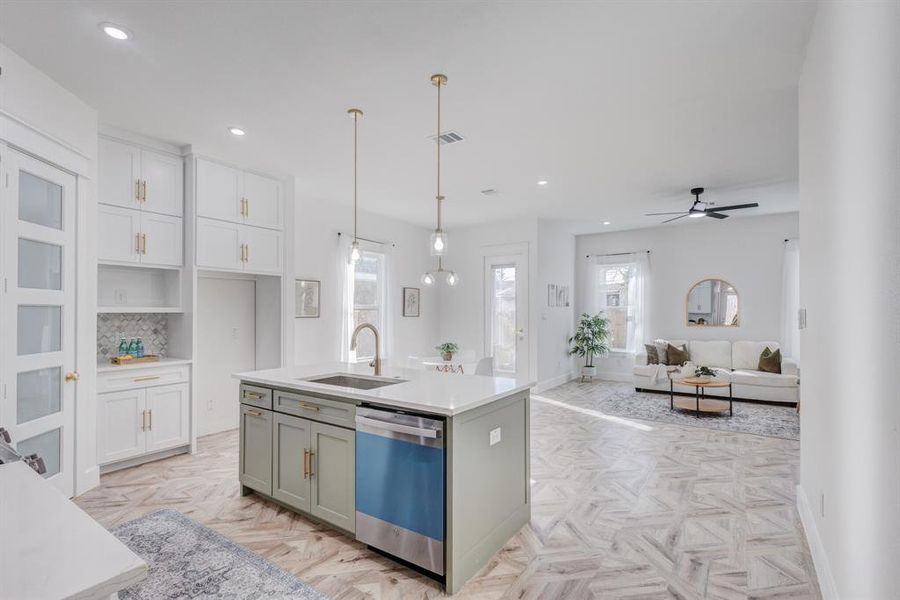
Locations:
(37, 222)
(506, 313)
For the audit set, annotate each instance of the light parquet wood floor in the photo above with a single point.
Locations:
(620, 509)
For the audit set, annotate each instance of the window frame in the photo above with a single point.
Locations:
(380, 301)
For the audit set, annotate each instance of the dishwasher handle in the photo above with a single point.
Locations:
(398, 427)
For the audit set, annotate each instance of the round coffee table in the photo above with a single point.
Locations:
(701, 403)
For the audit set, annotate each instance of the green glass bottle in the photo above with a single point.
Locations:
(123, 346)
(132, 347)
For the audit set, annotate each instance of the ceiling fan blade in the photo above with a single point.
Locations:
(680, 212)
(675, 218)
(714, 215)
(735, 207)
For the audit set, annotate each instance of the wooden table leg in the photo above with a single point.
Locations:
(730, 401)
(671, 394)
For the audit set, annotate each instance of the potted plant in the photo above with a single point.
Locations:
(447, 350)
(591, 339)
(704, 374)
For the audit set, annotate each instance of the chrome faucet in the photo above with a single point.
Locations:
(376, 362)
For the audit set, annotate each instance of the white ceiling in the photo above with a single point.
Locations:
(622, 106)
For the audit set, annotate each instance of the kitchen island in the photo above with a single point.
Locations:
(429, 468)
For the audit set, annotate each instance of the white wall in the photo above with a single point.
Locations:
(317, 225)
(745, 251)
(43, 118)
(849, 497)
(556, 265)
(462, 306)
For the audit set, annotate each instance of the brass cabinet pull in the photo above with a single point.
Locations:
(144, 421)
(247, 246)
(137, 238)
(309, 406)
(252, 413)
(311, 454)
(137, 190)
(146, 378)
(144, 191)
(144, 242)
(253, 395)
(306, 463)
(150, 415)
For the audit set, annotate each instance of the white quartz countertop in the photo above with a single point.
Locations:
(423, 390)
(106, 366)
(50, 548)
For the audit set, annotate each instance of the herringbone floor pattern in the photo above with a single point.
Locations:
(620, 509)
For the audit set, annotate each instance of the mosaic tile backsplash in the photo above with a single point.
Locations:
(153, 329)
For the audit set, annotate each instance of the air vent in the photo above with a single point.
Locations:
(490, 192)
(448, 137)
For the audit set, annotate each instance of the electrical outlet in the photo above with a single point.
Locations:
(121, 296)
(495, 436)
(822, 504)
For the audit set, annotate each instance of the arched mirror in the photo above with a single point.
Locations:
(713, 303)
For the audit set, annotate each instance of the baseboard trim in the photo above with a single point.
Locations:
(614, 376)
(546, 384)
(140, 460)
(820, 559)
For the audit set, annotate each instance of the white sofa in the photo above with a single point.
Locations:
(736, 362)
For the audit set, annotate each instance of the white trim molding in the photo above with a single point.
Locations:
(543, 386)
(820, 559)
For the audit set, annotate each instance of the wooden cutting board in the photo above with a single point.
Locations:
(147, 358)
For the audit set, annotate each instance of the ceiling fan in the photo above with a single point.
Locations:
(702, 209)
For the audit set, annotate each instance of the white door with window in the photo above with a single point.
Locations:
(506, 313)
(37, 347)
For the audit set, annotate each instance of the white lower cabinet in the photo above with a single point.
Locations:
(142, 419)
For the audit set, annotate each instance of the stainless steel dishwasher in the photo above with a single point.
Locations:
(400, 485)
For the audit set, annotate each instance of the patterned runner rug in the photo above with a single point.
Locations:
(188, 560)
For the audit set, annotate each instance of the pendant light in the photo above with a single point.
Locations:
(439, 236)
(354, 247)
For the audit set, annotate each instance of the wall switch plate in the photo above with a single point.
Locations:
(495, 436)
(801, 318)
(121, 296)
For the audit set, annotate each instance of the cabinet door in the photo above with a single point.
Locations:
(262, 197)
(218, 245)
(263, 250)
(163, 178)
(168, 407)
(120, 425)
(163, 240)
(290, 444)
(118, 167)
(333, 478)
(256, 449)
(117, 234)
(218, 192)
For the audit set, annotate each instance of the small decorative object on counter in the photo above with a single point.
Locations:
(704, 374)
(123, 345)
(139, 349)
(447, 350)
(132, 347)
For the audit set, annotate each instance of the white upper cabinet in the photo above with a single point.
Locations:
(219, 192)
(219, 245)
(119, 167)
(262, 250)
(119, 238)
(161, 241)
(132, 177)
(163, 184)
(238, 196)
(262, 201)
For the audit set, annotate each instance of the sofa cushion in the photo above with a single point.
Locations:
(769, 361)
(651, 370)
(749, 377)
(652, 354)
(677, 356)
(711, 354)
(745, 355)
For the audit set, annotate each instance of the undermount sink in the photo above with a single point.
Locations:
(353, 381)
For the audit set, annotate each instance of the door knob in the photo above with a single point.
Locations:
(71, 376)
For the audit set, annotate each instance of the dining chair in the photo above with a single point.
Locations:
(485, 366)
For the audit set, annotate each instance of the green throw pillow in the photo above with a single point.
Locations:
(677, 356)
(770, 362)
(652, 354)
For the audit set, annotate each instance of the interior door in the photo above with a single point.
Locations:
(506, 313)
(163, 183)
(37, 404)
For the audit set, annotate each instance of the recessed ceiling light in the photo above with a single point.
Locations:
(237, 131)
(543, 182)
(116, 32)
(606, 222)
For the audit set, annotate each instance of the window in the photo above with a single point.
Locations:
(617, 292)
(368, 300)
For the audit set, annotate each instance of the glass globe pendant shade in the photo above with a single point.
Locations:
(427, 279)
(354, 252)
(438, 243)
(452, 278)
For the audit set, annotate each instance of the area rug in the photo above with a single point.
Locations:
(188, 560)
(621, 400)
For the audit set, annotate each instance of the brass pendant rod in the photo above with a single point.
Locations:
(438, 143)
(355, 143)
